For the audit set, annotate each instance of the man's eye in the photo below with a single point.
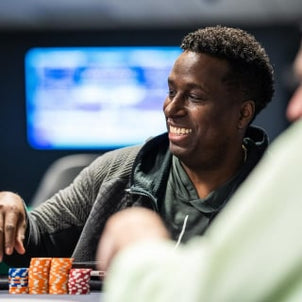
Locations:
(171, 93)
(196, 98)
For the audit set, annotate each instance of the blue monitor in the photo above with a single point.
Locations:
(95, 97)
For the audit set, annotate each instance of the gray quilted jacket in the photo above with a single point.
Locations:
(70, 223)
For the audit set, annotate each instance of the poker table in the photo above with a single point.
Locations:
(95, 294)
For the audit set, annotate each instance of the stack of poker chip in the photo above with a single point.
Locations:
(78, 283)
(38, 275)
(18, 280)
(58, 275)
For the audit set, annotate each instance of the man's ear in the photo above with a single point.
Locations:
(247, 112)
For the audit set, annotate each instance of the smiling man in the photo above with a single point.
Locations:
(217, 86)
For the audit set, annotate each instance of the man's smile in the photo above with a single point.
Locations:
(179, 131)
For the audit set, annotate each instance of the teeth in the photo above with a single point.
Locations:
(176, 130)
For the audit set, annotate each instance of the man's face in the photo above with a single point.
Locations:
(202, 112)
(294, 109)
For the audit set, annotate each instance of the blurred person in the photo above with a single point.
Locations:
(217, 86)
(294, 108)
(251, 252)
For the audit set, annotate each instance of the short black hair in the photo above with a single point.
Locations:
(250, 67)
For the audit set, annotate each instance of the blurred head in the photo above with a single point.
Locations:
(294, 108)
(249, 67)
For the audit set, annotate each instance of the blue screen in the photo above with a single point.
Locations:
(95, 97)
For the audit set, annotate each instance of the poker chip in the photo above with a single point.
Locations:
(38, 275)
(58, 275)
(78, 283)
(50, 276)
(18, 280)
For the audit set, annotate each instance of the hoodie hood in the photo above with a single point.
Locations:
(257, 137)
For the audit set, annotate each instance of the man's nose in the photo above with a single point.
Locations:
(175, 105)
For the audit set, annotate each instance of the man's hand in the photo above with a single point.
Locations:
(125, 228)
(12, 224)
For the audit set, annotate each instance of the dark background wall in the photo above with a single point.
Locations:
(22, 167)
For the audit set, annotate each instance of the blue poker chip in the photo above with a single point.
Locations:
(21, 272)
(18, 278)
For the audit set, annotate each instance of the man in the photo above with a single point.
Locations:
(251, 252)
(217, 86)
